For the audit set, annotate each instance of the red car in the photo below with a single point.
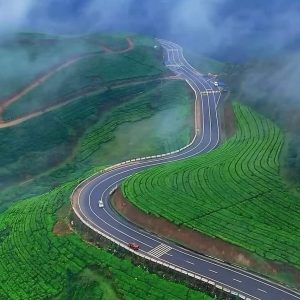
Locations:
(134, 246)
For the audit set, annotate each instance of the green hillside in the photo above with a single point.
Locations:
(78, 136)
(111, 105)
(38, 264)
(234, 193)
(67, 122)
(24, 56)
(91, 73)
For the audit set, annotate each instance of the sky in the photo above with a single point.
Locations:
(230, 29)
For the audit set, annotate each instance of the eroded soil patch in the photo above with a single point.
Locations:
(62, 226)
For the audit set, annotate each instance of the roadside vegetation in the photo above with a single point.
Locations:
(234, 193)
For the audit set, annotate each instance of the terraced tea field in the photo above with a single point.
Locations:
(38, 264)
(234, 192)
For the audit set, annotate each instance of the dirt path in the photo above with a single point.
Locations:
(129, 47)
(5, 124)
(4, 103)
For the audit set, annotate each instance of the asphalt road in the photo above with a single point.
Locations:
(108, 222)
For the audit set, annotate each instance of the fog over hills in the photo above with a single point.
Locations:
(226, 29)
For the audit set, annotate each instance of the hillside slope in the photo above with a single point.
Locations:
(234, 193)
(64, 123)
(37, 263)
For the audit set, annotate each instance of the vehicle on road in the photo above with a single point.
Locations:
(101, 204)
(134, 246)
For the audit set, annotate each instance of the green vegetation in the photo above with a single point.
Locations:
(88, 285)
(37, 264)
(42, 138)
(234, 192)
(44, 158)
(269, 88)
(106, 92)
(82, 132)
(24, 56)
(88, 74)
(291, 159)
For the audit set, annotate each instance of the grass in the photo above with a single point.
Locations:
(166, 134)
(36, 264)
(252, 84)
(234, 193)
(63, 143)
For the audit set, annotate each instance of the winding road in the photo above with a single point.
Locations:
(105, 221)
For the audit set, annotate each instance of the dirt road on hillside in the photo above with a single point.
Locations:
(4, 103)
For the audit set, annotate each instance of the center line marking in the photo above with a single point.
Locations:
(189, 262)
(262, 291)
(213, 271)
(236, 280)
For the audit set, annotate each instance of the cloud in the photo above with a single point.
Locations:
(14, 13)
(230, 29)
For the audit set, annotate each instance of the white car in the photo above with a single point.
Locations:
(101, 204)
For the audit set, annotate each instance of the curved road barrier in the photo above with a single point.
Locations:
(105, 221)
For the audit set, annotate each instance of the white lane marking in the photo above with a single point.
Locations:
(189, 262)
(236, 280)
(218, 99)
(262, 291)
(160, 250)
(212, 271)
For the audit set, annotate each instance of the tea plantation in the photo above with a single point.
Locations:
(234, 193)
(35, 263)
